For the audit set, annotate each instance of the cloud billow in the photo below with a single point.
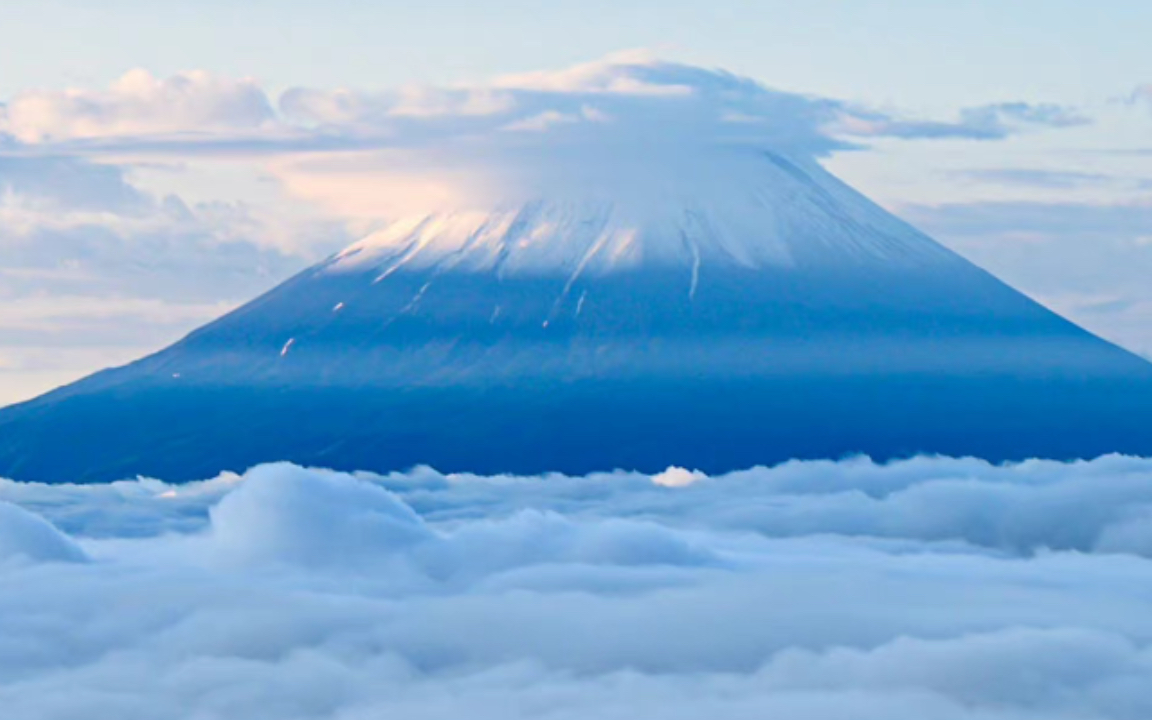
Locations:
(934, 587)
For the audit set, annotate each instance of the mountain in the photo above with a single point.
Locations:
(759, 311)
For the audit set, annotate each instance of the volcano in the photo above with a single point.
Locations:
(749, 310)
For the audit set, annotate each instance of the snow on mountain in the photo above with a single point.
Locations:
(757, 209)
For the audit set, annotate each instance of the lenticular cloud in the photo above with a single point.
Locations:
(827, 590)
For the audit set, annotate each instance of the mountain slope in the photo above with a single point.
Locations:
(760, 312)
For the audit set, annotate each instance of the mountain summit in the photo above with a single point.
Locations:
(624, 266)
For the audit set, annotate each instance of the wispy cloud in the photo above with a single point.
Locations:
(1032, 177)
(986, 122)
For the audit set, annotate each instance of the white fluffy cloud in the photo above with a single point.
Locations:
(28, 537)
(929, 588)
(615, 125)
(611, 129)
(138, 104)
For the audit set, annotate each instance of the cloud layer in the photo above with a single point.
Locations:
(197, 106)
(927, 588)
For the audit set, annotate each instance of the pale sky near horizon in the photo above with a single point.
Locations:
(919, 53)
(1018, 133)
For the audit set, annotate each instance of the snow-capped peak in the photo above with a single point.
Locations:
(751, 209)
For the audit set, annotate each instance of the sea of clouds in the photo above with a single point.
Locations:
(929, 588)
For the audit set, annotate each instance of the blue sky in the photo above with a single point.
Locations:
(1019, 134)
(930, 53)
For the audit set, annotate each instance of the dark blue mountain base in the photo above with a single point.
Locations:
(188, 433)
(477, 373)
